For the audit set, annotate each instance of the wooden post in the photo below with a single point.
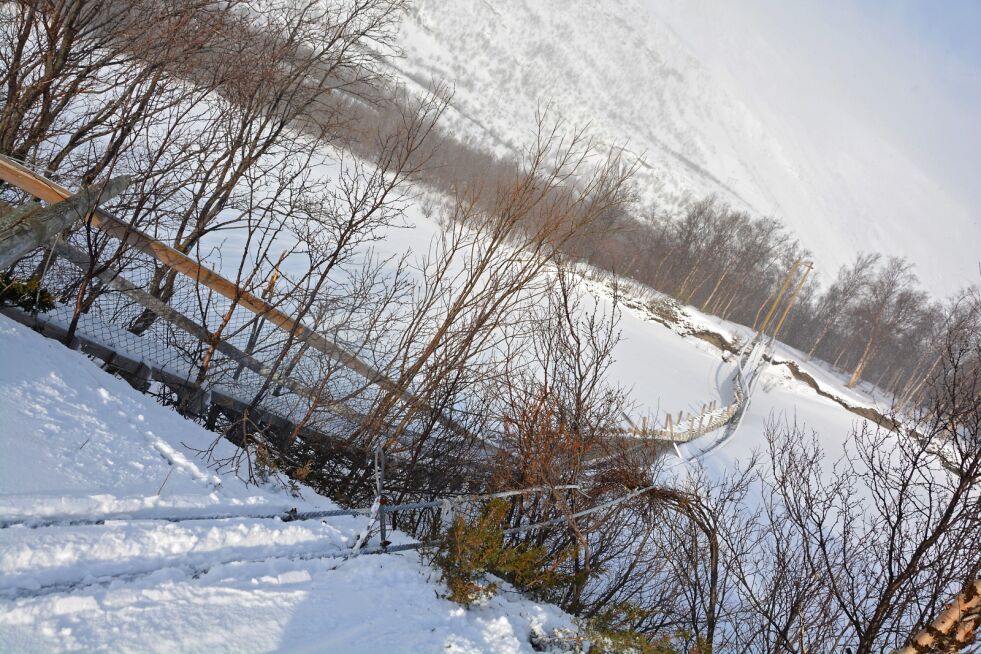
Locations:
(27, 230)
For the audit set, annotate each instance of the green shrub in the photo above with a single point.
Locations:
(26, 294)
(471, 552)
(607, 637)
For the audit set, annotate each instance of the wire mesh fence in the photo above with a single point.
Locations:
(207, 340)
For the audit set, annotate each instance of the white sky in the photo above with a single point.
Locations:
(909, 70)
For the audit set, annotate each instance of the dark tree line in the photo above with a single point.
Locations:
(872, 320)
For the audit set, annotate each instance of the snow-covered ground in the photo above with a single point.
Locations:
(80, 444)
(777, 397)
(77, 444)
(669, 370)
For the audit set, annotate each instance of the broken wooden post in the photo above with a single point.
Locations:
(29, 229)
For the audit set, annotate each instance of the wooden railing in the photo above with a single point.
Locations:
(45, 189)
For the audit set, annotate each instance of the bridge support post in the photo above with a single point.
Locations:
(25, 231)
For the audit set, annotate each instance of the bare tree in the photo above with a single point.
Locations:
(487, 266)
(273, 72)
(842, 293)
(892, 533)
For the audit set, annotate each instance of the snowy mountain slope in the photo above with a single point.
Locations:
(80, 444)
(627, 69)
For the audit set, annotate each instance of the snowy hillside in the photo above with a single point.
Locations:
(80, 445)
(627, 69)
(260, 301)
(670, 370)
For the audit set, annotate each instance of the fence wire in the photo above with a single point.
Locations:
(120, 323)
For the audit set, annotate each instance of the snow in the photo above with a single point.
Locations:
(666, 371)
(778, 398)
(669, 370)
(80, 444)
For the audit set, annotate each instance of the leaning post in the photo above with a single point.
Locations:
(26, 231)
(380, 491)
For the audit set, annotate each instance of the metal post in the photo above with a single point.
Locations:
(380, 490)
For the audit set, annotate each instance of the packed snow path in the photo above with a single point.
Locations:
(81, 444)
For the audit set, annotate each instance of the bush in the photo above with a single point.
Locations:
(606, 636)
(26, 294)
(471, 552)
